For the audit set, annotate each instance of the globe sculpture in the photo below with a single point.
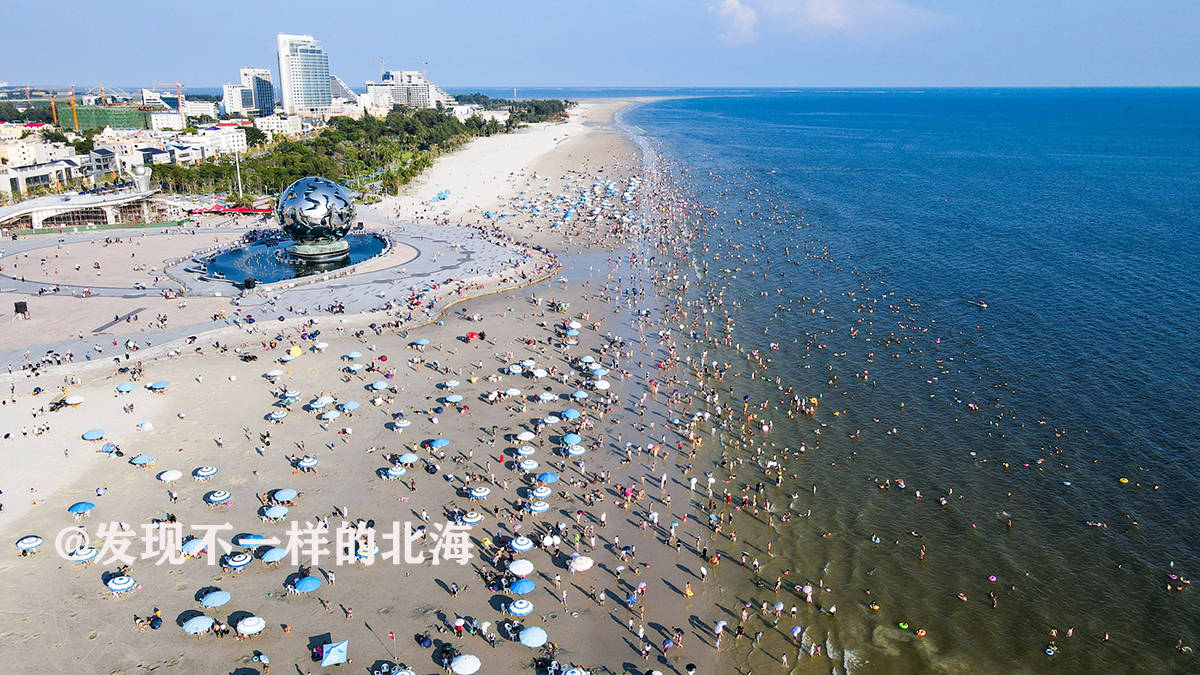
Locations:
(316, 213)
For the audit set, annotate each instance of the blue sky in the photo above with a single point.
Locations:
(621, 42)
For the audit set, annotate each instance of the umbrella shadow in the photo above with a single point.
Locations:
(318, 641)
(235, 617)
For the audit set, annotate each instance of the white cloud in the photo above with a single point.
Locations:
(823, 17)
(740, 22)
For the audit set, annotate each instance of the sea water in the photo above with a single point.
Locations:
(850, 229)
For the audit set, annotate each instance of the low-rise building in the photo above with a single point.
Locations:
(287, 125)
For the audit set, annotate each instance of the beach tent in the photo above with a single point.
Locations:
(335, 653)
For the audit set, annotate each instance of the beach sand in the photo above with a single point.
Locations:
(59, 615)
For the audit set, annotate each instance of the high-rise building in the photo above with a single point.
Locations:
(237, 99)
(263, 92)
(303, 75)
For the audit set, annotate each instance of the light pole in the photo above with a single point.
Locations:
(237, 163)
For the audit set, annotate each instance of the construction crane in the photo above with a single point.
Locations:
(28, 98)
(53, 108)
(178, 91)
(74, 113)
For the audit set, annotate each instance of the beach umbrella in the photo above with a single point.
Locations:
(551, 419)
(512, 392)
(291, 393)
(480, 491)
(29, 542)
(586, 359)
(600, 372)
(439, 442)
(574, 325)
(321, 346)
(572, 333)
(198, 625)
(526, 436)
(170, 475)
(365, 554)
(275, 512)
(581, 564)
(450, 384)
(274, 554)
(74, 399)
(379, 384)
(273, 373)
(571, 414)
(217, 497)
(329, 415)
(514, 369)
(80, 507)
(601, 385)
(575, 671)
(251, 625)
(160, 385)
(520, 567)
(285, 494)
(528, 465)
(82, 555)
(278, 415)
(778, 606)
(526, 451)
(121, 584)
(141, 460)
(320, 402)
(307, 462)
(125, 387)
(454, 398)
(354, 367)
(205, 471)
(541, 492)
(396, 472)
(193, 547)
(539, 507)
(308, 584)
(548, 477)
(521, 544)
(540, 373)
(465, 664)
(286, 358)
(348, 405)
(580, 394)
(473, 518)
(572, 439)
(546, 397)
(576, 450)
(528, 363)
(521, 607)
(421, 342)
(522, 587)
(215, 598)
(407, 458)
(252, 540)
(350, 356)
(533, 637)
(237, 560)
(401, 425)
(93, 434)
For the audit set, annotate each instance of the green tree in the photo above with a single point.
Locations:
(255, 137)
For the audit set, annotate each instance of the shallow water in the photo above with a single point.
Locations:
(1073, 213)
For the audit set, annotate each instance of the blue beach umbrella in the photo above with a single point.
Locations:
(193, 547)
(349, 405)
(275, 512)
(93, 434)
(533, 637)
(274, 554)
(396, 471)
(541, 492)
(161, 384)
(125, 387)
(576, 450)
(29, 542)
(121, 584)
(408, 458)
(572, 439)
(251, 540)
(522, 587)
(353, 355)
(238, 560)
(285, 495)
(521, 607)
(142, 459)
(454, 398)
(80, 507)
(378, 385)
(521, 544)
(308, 585)
(539, 507)
(215, 598)
(439, 442)
(205, 471)
(82, 555)
(421, 342)
(548, 477)
(571, 414)
(198, 625)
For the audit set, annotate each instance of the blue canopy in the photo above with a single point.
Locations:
(522, 586)
(81, 507)
(572, 439)
(93, 434)
(274, 554)
(198, 624)
(308, 584)
(215, 599)
(286, 494)
(161, 384)
(334, 653)
(548, 477)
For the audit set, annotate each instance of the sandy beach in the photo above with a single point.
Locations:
(620, 501)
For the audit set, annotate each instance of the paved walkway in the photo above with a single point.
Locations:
(443, 253)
